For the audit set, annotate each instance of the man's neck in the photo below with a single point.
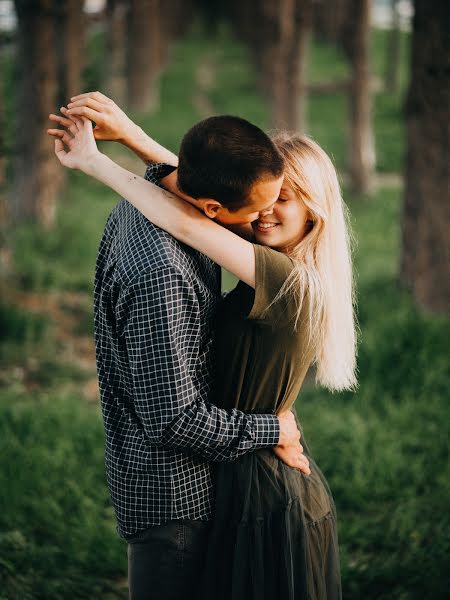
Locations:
(170, 182)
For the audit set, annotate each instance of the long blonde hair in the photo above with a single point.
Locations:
(323, 264)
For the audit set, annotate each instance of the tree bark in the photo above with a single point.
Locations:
(70, 37)
(144, 39)
(36, 170)
(116, 11)
(356, 43)
(425, 256)
(282, 57)
(393, 50)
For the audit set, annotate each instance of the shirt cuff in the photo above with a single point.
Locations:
(267, 430)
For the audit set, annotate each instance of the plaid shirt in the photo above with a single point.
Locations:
(154, 303)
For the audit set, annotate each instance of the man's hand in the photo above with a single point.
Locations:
(111, 123)
(289, 449)
(289, 433)
(293, 456)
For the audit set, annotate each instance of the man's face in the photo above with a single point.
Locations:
(262, 198)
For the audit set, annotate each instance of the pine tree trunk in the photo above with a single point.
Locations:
(116, 45)
(287, 26)
(70, 43)
(425, 241)
(393, 50)
(144, 54)
(74, 37)
(362, 145)
(298, 65)
(36, 169)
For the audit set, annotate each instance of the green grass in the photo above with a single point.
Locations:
(383, 449)
(57, 535)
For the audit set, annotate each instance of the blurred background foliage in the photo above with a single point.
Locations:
(384, 449)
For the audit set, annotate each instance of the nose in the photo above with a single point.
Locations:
(266, 211)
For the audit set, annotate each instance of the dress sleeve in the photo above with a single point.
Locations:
(272, 270)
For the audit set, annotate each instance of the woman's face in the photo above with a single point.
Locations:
(285, 225)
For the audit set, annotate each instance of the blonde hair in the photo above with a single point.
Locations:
(323, 265)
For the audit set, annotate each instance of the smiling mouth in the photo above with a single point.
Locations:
(265, 226)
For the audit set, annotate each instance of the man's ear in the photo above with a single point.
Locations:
(211, 207)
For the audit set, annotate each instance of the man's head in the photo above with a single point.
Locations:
(231, 167)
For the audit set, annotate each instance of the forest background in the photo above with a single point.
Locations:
(369, 81)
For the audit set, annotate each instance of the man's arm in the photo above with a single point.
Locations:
(159, 323)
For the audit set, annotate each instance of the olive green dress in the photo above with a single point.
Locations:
(274, 534)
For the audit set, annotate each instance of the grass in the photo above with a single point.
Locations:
(383, 449)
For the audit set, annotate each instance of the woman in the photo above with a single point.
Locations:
(274, 532)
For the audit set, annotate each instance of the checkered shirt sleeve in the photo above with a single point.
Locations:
(159, 313)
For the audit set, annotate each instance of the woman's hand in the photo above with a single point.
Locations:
(75, 146)
(293, 456)
(111, 123)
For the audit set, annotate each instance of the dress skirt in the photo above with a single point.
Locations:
(274, 533)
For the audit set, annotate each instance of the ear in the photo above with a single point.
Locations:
(211, 207)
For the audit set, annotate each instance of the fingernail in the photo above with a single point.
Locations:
(70, 104)
(63, 109)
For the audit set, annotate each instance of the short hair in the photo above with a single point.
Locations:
(222, 157)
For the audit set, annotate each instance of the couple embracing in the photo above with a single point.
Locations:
(213, 484)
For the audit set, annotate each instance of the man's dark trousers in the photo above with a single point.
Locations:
(165, 562)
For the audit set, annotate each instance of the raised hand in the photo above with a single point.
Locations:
(75, 145)
(111, 123)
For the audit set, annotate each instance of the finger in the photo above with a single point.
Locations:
(74, 123)
(59, 150)
(304, 466)
(95, 95)
(75, 118)
(61, 120)
(61, 134)
(83, 111)
(89, 103)
(87, 123)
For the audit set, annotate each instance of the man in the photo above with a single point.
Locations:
(154, 314)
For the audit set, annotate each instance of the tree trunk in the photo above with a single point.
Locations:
(329, 18)
(425, 241)
(284, 56)
(298, 64)
(393, 50)
(356, 43)
(144, 54)
(116, 44)
(36, 169)
(74, 36)
(2, 132)
(70, 37)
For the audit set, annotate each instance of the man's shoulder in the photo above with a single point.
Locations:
(139, 247)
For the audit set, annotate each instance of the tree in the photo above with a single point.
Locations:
(36, 178)
(426, 213)
(393, 50)
(71, 32)
(278, 34)
(356, 42)
(144, 53)
(116, 13)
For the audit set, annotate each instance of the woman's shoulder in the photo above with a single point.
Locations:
(273, 268)
(274, 263)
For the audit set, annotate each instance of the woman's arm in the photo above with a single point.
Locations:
(111, 123)
(179, 218)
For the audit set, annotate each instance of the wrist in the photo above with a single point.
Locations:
(94, 164)
(131, 133)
